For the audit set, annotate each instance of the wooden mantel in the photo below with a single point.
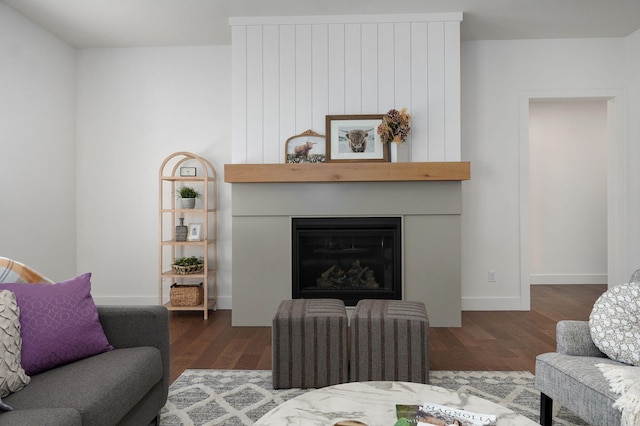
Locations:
(347, 172)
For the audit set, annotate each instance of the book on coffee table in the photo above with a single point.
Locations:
(441, 415)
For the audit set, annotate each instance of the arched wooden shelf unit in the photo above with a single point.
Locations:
(177, 170)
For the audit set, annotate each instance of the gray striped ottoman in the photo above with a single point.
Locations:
(309, 344)
(390, 341)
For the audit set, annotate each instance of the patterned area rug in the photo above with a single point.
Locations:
(240, 397)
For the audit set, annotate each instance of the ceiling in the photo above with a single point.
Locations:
(127, 23)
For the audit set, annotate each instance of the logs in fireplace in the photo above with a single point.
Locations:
(347, 258)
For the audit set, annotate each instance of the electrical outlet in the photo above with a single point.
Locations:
(492, 276)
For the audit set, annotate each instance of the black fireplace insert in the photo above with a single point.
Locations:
(347, 258)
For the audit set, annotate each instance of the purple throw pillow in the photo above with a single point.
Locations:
(59, 323)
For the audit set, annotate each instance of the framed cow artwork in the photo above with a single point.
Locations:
(307, 147)
(352, 138)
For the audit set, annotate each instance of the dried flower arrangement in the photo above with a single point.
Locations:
(395, 126)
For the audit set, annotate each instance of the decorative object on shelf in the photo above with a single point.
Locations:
(187, 171)
(186, 294)
(188, 195)
(352, 138)
(395, 126)
(181, 230)
(195, 232)
(307, 147)
(188, 265)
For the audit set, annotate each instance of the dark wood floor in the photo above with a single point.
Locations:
(501, 341)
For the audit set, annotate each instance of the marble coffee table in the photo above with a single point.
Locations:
(374, 403)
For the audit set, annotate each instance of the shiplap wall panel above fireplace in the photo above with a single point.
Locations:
(290, 72)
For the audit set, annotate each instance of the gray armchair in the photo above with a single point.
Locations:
(570, 377)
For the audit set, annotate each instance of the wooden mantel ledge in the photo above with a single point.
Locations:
(347, 172)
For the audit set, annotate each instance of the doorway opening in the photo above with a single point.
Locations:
(568, 191)
(615, 182)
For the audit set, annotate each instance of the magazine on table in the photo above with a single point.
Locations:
(440, 415)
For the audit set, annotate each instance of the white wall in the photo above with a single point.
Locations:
(290, 72)
(568, 191)
(37, 147)
(495, 74)
(632, 191)
(135, 107)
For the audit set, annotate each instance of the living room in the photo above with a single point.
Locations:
(86, 127)
(108, 116)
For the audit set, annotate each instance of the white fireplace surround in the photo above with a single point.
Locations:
(288, 73)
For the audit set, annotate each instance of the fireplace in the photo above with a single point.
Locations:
(347, 258)
(264, 203)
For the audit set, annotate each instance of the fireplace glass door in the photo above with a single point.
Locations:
(347, 258)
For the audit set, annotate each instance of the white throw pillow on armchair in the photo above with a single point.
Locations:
(12, 375)
(615, 323)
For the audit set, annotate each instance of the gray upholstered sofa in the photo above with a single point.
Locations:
(570, 377)
(126, 386)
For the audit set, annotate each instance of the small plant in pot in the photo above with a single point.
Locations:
(188, 195)
(188, 265)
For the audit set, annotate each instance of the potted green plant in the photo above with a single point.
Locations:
(188, 195)
(188, 265)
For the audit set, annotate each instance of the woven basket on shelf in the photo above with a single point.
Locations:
(186, 294)
(186, 270)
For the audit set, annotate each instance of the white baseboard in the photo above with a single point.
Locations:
(515, 303)
(492, 304)
(568, 279)
(125, 300)
(224, 302)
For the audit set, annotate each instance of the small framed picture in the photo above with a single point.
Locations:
(195, 232)
(187, 171)
(307, 147)
(352, 138)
